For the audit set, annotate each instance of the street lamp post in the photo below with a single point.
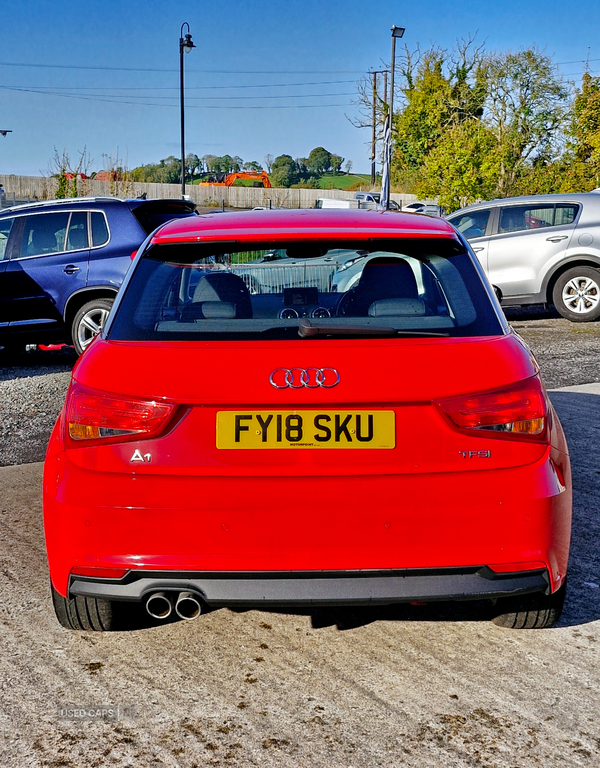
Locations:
(397, 32)
(185, 46)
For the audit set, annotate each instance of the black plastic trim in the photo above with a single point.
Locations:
(278, 588)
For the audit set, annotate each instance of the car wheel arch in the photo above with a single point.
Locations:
(79, 298)
(583, 260)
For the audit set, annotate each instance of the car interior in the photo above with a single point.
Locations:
(213, 294)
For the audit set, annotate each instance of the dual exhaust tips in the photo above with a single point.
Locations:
(187, 606)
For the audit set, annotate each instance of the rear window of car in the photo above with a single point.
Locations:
(100, 234)
(153, 214)
(516, 218)
(284, 291)
(472, 224)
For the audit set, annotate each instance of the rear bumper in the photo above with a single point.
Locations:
(318, 587)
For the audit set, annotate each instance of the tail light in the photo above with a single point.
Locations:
(96, 417)
(519, 411)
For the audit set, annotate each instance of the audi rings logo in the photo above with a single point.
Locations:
(311, 378)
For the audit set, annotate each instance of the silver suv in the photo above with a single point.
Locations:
(542, 249)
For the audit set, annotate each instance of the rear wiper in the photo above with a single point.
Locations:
(308, 330)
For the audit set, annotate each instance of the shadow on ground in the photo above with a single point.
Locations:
(580, 416)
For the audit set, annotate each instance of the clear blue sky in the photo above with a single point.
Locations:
(306, 51)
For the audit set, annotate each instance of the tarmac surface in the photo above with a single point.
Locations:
(435, 685)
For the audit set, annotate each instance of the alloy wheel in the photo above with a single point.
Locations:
(581, 295)
(90, 325)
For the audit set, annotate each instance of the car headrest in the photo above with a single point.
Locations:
(397, 307)
(385, 277)
(224, 287)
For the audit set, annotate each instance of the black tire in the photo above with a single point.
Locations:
(88, 322)
(86, 613)
(534, 611)
(576, 294)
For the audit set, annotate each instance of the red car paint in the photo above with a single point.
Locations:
(444, 497)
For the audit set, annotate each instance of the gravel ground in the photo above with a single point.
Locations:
(416, 686)
(32, 391)
(423, 686)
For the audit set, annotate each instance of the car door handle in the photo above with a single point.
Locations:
(70, 269)
(476, 250)
(556, 238)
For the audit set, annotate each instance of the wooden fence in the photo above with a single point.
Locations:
(27, 188)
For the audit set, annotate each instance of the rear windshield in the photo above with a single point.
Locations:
(156, 212)
(304, 289)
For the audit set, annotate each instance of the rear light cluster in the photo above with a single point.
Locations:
(519, 410)
(100, 416)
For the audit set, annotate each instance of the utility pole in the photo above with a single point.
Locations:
(185, 46)
(385, 74)
(397, 32)
(374, 133)
(374, 123)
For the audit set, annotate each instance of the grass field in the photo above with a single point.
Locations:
(345, 181)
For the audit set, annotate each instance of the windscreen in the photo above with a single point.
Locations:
(425, 287)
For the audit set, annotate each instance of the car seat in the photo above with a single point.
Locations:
(512, 220)
(219, 295)
(42, 241)
(387, 287)
(77, 240)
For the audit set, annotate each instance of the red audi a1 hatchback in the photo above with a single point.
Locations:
(289, 445)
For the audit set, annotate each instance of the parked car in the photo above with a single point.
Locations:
(542, 249)
(62, 262)
(280, 268)
(398, 446)
(428, 208)
(362, 200)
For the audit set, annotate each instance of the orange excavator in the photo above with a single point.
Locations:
(260, 179)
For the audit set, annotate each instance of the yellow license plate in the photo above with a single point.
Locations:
(306, 429)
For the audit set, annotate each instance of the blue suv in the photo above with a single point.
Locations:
(63, 261)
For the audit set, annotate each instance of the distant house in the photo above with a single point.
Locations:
(108, 176)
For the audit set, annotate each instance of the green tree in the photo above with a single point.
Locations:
(166, 171)
(284, 171)
(439, 89)
(253, 165)
(192, 164)
(525, 107)
(474, 125)
(319, 160)
(581, 171)
(336, 162)
(462, 167)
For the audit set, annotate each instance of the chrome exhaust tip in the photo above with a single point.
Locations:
(188, 606)
(159, 605)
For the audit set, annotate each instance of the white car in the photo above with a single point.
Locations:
(541, 249)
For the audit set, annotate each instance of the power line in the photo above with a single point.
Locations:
(198, 71)
(109, 100)
(173, 88)
(578, 61)
(116, 98)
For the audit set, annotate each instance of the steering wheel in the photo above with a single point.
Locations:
(344, 304)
